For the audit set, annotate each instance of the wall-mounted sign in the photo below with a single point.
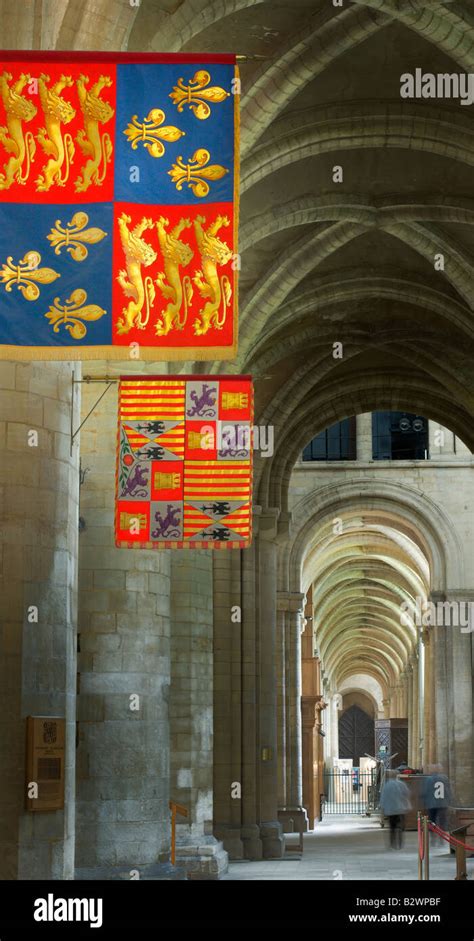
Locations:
(45, 756)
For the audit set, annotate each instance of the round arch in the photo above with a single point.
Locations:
(413, 508)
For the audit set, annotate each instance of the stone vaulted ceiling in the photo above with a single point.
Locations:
(326, 262)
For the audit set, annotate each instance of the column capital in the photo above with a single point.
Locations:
(270, 523)
(290, 601)
(460, 594)
(265, 521)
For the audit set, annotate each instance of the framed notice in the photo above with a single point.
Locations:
(45, 758)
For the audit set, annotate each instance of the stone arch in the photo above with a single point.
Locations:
(407, 503)
(352, 207)
(327, 296)
(192, 18)
(368, 390)
(310, 53)
(364, 125)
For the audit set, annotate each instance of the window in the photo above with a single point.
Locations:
(399, 436)
(337, 443)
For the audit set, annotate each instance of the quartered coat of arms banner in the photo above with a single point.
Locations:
(184, 462)
(118, 206)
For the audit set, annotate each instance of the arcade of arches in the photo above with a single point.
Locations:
(241, 659)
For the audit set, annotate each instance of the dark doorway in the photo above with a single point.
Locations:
(356, 734)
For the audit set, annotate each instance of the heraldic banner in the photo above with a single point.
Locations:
(118, 206)
(184, 462)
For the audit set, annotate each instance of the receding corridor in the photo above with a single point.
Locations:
(350, 847)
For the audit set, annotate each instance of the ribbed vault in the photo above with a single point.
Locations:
(362, 574)
(372, 551)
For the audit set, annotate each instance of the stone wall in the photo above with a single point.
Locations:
(39, 488)
(191, 712)
(123, 820)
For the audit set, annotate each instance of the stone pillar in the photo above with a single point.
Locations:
(440, 661)
(416, 711)
(432, 750)
(461, 701)
(281, 703)
(123, 818)
(228, 702)
(191, 714)
(425, 757)
(364, 436)
(270, 828)
(409, 672)
(334, 706)
(38, 593)
(250, 665)
(292, 604)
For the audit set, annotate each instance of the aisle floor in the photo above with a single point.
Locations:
(352, 847)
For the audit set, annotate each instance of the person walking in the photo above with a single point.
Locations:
(437, 796)
(395, 803)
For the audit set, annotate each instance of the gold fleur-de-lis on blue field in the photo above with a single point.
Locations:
(25, 274)
(197, 95)
(195, 173)
(60, 315)
(73, 235)
(150, 132)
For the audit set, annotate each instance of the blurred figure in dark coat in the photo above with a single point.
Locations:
(395, 803)
(437, 796)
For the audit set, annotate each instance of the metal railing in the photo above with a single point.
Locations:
(348, 792)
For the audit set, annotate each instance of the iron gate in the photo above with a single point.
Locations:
(349, 792)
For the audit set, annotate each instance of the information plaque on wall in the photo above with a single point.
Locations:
(45, 757)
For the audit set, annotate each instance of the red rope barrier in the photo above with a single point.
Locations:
(448, 837)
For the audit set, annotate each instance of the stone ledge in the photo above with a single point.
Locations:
(207, 861)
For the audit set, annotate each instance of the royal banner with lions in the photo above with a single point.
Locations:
(118, 206)
(184, 462)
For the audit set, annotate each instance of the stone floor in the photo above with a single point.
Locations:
(350, 847)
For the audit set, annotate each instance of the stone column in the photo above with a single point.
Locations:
(250, 665)
(416, 711)
(228, 702)
(38, 593)
(425, 757)
(364, 436)
(440, 661)
(409, 672)
(432, 749)
(191, 714)
(281, 703)
(270, 828)
(335, 711)
(292, 603)
(123, 818)
(461, 701)
(294, 788)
